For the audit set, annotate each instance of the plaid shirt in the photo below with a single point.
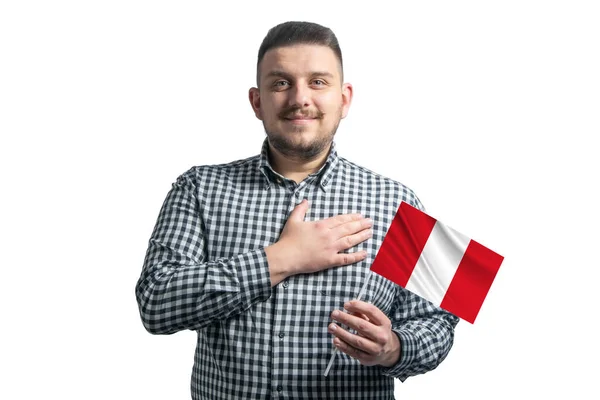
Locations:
(206, 270)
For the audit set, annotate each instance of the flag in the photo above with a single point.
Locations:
(436, 262)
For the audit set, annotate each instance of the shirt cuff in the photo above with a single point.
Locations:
(254, 277)
(408, 351)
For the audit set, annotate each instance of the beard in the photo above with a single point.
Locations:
(291, 148)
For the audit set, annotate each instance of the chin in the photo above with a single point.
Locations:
(299, 146)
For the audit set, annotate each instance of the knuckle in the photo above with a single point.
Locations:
(350, 231)
(348, 241)
(342, 218)
(343, 260)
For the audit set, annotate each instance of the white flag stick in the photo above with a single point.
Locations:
(360, 295)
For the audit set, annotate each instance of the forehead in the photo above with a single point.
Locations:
(299, 60)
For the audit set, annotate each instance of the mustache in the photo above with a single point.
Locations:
(295, 112)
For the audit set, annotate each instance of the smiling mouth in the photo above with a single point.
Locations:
(300, 121)
(300, 117)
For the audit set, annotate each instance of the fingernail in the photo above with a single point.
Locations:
(333, 327)
(348, 306)
(335, 314)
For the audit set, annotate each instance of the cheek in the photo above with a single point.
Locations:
(271, 109)
(330, 104)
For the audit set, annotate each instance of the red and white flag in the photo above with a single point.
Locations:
(436, 262)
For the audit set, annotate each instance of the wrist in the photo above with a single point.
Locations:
(279, 263)
(395, 350)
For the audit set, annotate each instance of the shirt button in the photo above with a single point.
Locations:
(279, 388)
(297, 194)
(286, 284)
(281, 335)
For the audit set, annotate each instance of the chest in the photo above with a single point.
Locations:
(241, 220)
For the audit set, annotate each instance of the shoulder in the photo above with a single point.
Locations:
(201, 175)
(381, 184)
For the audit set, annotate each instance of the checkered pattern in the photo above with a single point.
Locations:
(206, 270)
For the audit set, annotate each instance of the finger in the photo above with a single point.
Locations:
(352, 240)
(375, 315)
(351, 227)
(362, 327)
(348, 258)
(364, 358)
(337, 220)
(358, 342)
(361, 315)
(299, 212)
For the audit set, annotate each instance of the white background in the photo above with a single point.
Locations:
(488, 110)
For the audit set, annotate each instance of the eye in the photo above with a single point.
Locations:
(318, 82)
(280, 84)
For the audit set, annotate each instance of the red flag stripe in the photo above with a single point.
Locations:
(472, 281)
(403, 244)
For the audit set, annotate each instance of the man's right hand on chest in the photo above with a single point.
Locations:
(312, 246)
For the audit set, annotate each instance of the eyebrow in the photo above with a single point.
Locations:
(282, 74)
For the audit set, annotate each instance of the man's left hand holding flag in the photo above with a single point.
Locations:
(374, 342)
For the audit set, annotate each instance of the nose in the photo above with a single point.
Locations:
(299, 96)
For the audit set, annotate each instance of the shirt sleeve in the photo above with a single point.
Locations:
(426, 334)
(178, 288)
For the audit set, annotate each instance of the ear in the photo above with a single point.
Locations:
(347, 92)
(254, 97)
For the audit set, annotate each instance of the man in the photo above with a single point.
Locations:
(261, 256)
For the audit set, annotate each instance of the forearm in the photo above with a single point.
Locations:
(173, 295)
(426, 337)
(179, 288)
(279, 263)
(423, 346)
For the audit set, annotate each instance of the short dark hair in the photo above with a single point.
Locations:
(298, 32)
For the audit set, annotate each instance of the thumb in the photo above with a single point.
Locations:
(299, 211)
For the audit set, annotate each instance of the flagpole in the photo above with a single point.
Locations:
(360, 295)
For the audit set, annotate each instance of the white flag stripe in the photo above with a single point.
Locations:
(438, 263)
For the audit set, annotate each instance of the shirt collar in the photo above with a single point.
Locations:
(324, 174)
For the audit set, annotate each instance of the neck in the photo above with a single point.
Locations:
(296, 169)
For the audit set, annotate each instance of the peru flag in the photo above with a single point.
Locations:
(436, 262)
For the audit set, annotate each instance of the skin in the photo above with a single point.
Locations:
(301, 100)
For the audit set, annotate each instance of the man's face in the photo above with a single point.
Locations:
(301, 99)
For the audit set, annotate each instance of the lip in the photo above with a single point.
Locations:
(300, 121)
